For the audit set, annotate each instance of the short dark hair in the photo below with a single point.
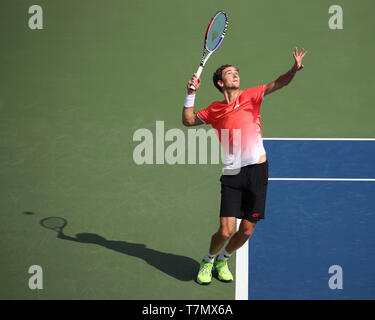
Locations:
(218, 75)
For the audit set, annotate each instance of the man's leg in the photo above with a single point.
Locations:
(241, 236)
(227, 225)
(238, 239)
(226, 229)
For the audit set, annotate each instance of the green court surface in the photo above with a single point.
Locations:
(73, 94)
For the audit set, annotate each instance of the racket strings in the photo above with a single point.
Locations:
(53, 223)
(216, 31)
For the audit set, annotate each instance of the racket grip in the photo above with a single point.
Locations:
(199, 72)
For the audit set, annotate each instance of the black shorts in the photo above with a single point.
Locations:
(244, 195)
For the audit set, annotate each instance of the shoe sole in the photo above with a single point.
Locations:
(202, 283)
(226, 281)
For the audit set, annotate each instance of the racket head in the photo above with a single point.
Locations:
(54, 223)
(216, 31)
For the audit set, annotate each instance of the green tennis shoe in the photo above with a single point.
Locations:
(205, 273)
(223, 273)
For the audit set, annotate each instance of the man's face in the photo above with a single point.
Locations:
(231, 78)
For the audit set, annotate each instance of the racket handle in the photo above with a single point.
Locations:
(199, 72)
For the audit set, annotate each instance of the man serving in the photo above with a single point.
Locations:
(245, 176)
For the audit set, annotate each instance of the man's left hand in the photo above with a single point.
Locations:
(298, 59)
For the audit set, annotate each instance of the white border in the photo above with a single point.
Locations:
(242, 270)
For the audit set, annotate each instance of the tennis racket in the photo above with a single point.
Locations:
(54, 223)
(213, 38)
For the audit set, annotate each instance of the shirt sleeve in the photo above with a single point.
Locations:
(204, 115)
(260, 93)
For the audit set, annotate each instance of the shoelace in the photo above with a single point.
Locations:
(206, 268)
(224, 268)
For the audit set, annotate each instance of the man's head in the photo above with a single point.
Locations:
(226, 77)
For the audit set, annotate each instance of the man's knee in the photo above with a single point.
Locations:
(225, 233)
(247, 228)
(227, 226)
(247, 232)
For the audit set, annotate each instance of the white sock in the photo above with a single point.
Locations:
(209, 258)
(224, 255)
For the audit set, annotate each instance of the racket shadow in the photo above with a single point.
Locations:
(180, 267)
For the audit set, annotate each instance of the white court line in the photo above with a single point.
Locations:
(319, 179)
(242, 270)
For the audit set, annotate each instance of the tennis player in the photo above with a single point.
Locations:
(245, 176)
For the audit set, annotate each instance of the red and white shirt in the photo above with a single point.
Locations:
(238, 126)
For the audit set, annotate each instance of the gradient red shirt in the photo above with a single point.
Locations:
(242, 114)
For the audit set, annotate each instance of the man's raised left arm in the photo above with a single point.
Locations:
(285, 78)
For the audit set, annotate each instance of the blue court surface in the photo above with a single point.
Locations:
(320, 214)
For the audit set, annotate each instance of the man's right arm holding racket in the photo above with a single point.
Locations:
(189, 117)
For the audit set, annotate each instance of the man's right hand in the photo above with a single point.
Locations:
(194, 81)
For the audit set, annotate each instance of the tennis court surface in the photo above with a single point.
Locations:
(72, 95)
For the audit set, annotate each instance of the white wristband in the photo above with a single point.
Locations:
(189, 100)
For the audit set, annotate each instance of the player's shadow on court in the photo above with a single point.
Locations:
(180, 267)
